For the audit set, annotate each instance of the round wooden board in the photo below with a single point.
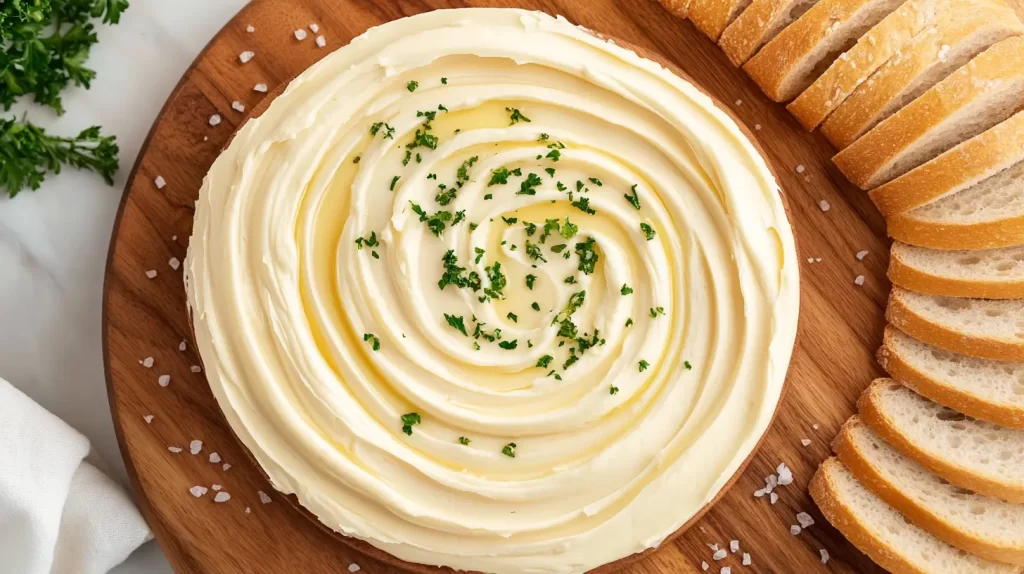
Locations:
(840, 323)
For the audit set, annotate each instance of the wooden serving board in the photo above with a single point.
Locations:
(840, 323)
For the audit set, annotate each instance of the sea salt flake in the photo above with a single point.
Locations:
(148, 419)
(757, 127)
(321, 41)
(805, 441)
(250, 28)
(726, 570)
(237, 106)
(174, 263)
(804, 519)
(215, 487)
(196, 369)
(248, 510)
(225, 467)
(824, 205)
(195, 446)
(214, 458)
(198, 491)
(262, 88)
(746, 559)
(794, 529)
(739, 102)
(353, 567)
(222, 497)
(147, 362)
(214, 119)
(151, 273)
(264, 497)
(815, 426)
(858, 280)
(245, 56)
(314, 28)
(773, 498)
(704, 566)
(824, 555)
(159, 182)
(800, 168)
(720, 554)
(174, 449)
(861, 255)
(734, 546)
(163, 380)
(182, 346)
(300, 34)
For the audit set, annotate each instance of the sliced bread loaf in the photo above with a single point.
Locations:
(987, 527)
(679, 8)
(986, 216)
(972, 161)
(986, 274)
(984, 328)
(981, 94)
(790, 62)
(757, 25)
(981, 388)
(852, 67)
(962, 29)
(712, 16)
(882, 533)
(972, 454)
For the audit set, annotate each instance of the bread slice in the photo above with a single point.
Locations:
(972, 454)
(882, 533)
(986, 527)
(757, 25)
(987, 216)
(972, 161)
(988, 390)
(983, 93)
(852, 67)
(967, 27)
(983, 328)
(679, 8)
(985, 274)
(799, 54)
(712, 16)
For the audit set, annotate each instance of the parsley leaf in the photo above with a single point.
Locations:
(544, 361)
(655, 311)
(648, 231)
(408, 420)
(27, 153)
(509, 450)
(372, 340)
(509, 345)
(626, 289)
(516, 116)
(583, 204)
(411, 86)
(644, 365)
(634, 199)
(588, 255)
(530, 279)
(464, 441)
(527, 187)
(456, 323)
(499, 176)
(612, 389)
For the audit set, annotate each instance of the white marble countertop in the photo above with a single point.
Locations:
(53, 242)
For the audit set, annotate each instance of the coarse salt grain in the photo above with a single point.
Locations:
(815, 426)
(214, 458)
(321, 41)
(746, 559)
(151, 273)
(148, 419)
(163, 380)
(734, 546)
(195, 446)
(262, 88)
(300, 34)
(237, 106)
(248, 510)
(182, 346)
(794, 529)
(250, 28)
(739, 102)
(225, 467)
(174, 449)
(314, 28)
(805, 441)
(785, 475)
(824, 555)
(720, 554)
(726, 570)
(264, 497)
(198, 491)
(147, 362)
(804, 519)
(757, 127)
(215, 487)
(245, 56)
(861, 255)
(353, 567)
(174, 263)
(859, 280)
(704, 566)
(214, 119)
(174, 238)
(196, 369)
(800, 168)
(773, 498)
(159, 182)
(824, 205)
(222, 497)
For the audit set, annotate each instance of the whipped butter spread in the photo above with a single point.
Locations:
(489, 292)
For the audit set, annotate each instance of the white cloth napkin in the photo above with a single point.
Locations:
(58, 513)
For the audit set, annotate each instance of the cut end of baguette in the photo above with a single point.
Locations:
(757, 25)
(882, 533)
(986, 274)
(678, 8)
(712, 16)
(972, 454)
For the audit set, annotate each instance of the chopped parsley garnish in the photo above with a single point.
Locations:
(551, 171)
(567, 329)
(499, 176)
(510, 221)
(560, 186)
(479, 255)
(558, 248)
(463, 440)
(513, 317)
(687, 365)
(544, 361)
(372, 340)
(389, 132)
(543, 138)
(531, 228)
(612, 389)
(394, 181)
(516, 116)
(411, 86)
(509, 345)
(554, 155)
(498, 281)
(530, 279)
(655, 311)
(462, 174)
(648, 231)
(569, 229)
(579, 186)
(456, 275)
(643, 365)
(570, 280)
(408, 420)
(371, 242)
(588, 255)
(634, 199)
(596, 181)
(437, 222)
(528, 185)
(488, 196)
(550, 226)
(629, 322)
(535, 306)
(375, 255)
(456, 323)
(445, 81)
(509, 450)
(534, 252)
(357, 158)
(583, 204)
(626, 289)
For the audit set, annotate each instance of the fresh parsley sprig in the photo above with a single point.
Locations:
(27, 153)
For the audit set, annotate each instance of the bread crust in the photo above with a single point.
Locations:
(712, 16)
(994, 234)
(957, 21)
(922, 516)
(959, 168)
(942, 393)
(853, 67)
(678, 8)
(746, 34)
(909, 277)
(871, 413)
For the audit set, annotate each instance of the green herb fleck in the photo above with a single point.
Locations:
(509, 450)
(583, 204)
(535, 306)
(634, 199)
(456, 323)
(588, 255)
(530, 279)
(528, 185)
(655, 311)
(516, 116)
(394, 180)
(534, 252)
(626, 289)
(648, 231)
(372, 340)
(408, 420)
(509, 221)
(412, 85)
(596, 181)
(643, 365)
(569, 229)
(463, 440)
(612, 389)
(509, 345)
(687, 365)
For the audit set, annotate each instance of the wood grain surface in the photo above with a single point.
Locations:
(840, 323)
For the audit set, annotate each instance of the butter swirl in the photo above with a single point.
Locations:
(489, 292)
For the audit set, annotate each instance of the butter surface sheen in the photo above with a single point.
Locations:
(489, 292)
